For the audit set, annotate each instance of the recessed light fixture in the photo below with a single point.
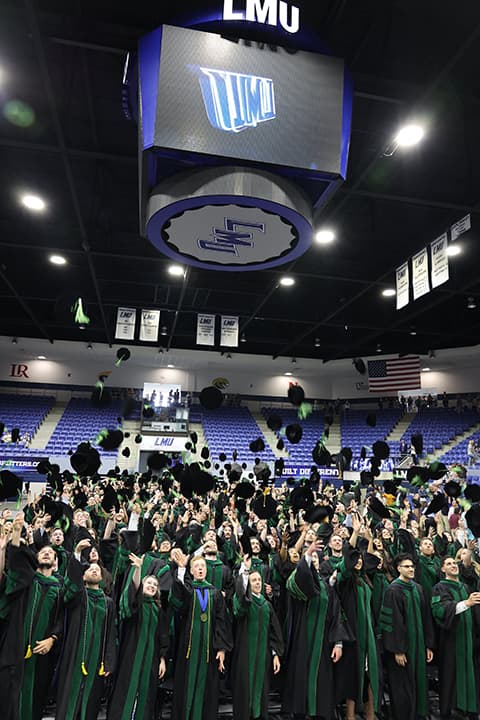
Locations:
(471, 304)
(164, 330)
(409, 135)
(288, 373)
(413, 332)
(89, 346)
(176, 270)
(57, 260)
(170, 366)
(379, 348)
(41, 357)
(33, 202)
(425, 369)
(317, 342)
(287, 281)
(324, 237)
(243, 339)
(454, 250)
(388, 292)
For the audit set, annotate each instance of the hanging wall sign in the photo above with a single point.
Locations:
(420, 282)
(150, 321)
(439, 260)
(229, 331)
(125, 328)
(206, 330)
(403, 283)
(460, 227)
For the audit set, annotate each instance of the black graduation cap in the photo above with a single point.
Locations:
(381, 450)
(366, 478)
(472, 493)
(138, 439)
(157, 461)
(378, 508)
(390, 487)
(326, 431)
(375, 464)
(2, 428)
(452, 489)
(417, 442)
(370, 562)
(472, 517)
(195, 480)
(257, 445)
(264, 506)
(15, 434)
(417, 474)
(148, 411)
(280, 445)
(110, 499)
(44, 467)
(210, 398)
(436, 504)
(301, 498)
(274, 422)
(279, 465)
(80, 500)
(205, 454)
(320, 454)
(359, 366)
(101, 396)
(85, 460)
(317, 513)
(436, 470)
(110, 439)
(363, 452)
(131, 540)
(371, 419)
(123, 355)
(222, 457)
(10, 484)
(245, 544)
(296, 394)
(325, 531)
(244, 490)
(194, 437)
(294, 433)
(126, 452)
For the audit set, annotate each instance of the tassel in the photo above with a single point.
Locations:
(84, 669)
(79, 314)
(101, 672)
(29, 653)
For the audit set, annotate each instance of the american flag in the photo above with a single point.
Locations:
(394, 374)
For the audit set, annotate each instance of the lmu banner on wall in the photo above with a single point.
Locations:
(439, 260)
(420, 282)
(229, 331)
(125, 329)
(206, 330)
(403, 282)
(149, 325)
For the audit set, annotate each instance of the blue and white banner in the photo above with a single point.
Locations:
(439, 260)
(229, 331)
(17, 463)
(149, 324)
(125, 328)
(206, 330)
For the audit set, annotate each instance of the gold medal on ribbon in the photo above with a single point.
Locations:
(203, 617)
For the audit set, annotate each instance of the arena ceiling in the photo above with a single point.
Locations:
(409, 61)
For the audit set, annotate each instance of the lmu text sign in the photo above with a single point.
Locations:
(267, 12)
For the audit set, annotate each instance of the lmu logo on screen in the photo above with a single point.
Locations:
(235, 101)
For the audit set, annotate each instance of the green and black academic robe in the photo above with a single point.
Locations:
(220, 576)
(203, 630)
(31, 609)
(457, 654)
(427, 574)
(144, 642)
(89, 649)
(406, 628)
(257, 637)
(360, 665)
(314, 626)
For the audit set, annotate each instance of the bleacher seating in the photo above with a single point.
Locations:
(356, 433)
(440, 426)
(458, 454)
(233, 428)
(25, 413)
(80, 422)
(312, 426)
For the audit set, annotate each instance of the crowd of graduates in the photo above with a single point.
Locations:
(167, 590)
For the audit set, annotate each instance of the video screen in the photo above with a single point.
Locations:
(162, 395)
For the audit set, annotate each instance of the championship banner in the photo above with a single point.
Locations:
(206, 330)
(460, 227)
(149, 324)
(439, 260)
(125, 329)
(420, 282)
(229, 331)
(403, 282)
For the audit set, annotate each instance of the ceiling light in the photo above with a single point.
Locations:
(471, 304)
(317, 342)
(164, 330)
(409, 135)
(176, 270)
(287, 281)
(413, 332)
(170, 366)
(425, 369)
(454, 250)
(243, 338)
(288, 373)
(294, 360)
(33, 202)
(379, 348)
(41, 357)
(57, 260)
(388, 292)
(14, 341)
(325, 237)
(89, 346)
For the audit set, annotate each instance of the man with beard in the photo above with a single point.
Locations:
(31, 609)
(57, 539)
(457, 615)
(204, 638)
(89, 652)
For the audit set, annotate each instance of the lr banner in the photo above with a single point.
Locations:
(125, 329)
(403, 283)
(229, 331)
(421, 285)
(206, 330)
(149, 325)
(439, 260)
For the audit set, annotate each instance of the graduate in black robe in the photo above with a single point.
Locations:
(314, 642)
(31, 611)
(204, 638)
(143, 650)
(408, 639)
(456, 613)
(89, 651)
(258, 646)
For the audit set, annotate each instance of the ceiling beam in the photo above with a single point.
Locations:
(23, 304)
